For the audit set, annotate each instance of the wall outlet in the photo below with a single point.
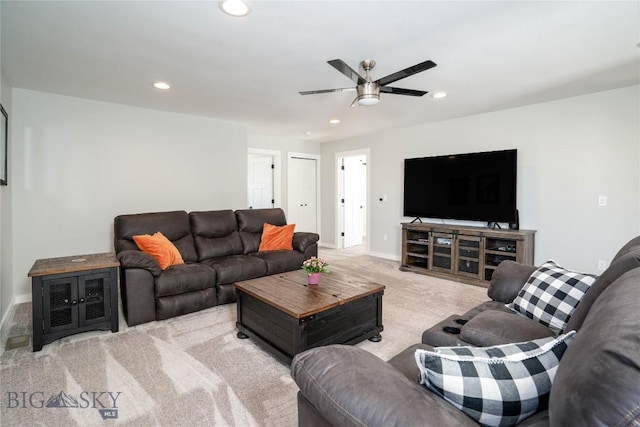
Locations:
(385, 237)
(602, 200)
(602, 265)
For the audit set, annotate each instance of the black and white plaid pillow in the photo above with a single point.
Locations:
(496, 386)
(552, 294)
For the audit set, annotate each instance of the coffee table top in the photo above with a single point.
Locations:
(290, 292)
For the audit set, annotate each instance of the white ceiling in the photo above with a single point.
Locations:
(491, 55)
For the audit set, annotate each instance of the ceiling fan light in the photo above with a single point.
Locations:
(368, 100)
(162, 85)
(237, 8)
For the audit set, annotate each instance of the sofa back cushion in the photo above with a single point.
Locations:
(251, 222)
(630, 246)
(174, 225)
(628, 261)
(598, 380)
(216, 234)
(508, 279)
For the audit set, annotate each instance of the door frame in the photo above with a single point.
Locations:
(339, 219)
(277, 173)
(316, 157)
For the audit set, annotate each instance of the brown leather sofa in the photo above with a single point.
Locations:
(218, 248)
(597, 381)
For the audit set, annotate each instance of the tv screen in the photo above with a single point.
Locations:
(472, 186)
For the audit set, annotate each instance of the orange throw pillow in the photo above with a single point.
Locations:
(159, 247)
(276, 238)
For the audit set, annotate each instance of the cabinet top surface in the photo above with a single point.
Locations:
(426, 226)
(71, 264)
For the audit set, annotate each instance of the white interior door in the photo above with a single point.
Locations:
(260, 181)
(355, 199)
(303, 193)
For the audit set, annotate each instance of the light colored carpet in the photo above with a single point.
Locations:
(192, 370)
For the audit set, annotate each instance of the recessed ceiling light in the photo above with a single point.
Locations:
(308, 133)
(334, 121)
(440, 95)
(161, 85)
(235, 8)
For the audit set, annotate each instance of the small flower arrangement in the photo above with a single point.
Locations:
(315, 265)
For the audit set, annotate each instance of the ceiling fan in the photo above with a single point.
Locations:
(368, 90)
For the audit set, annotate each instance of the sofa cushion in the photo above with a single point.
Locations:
(405, 361)
(630, 246)
(598, 381)
(351, 387)
(622, 264)
(552, 294)
(276, 238)
(188, 302)
(498, 385)
(236, 268)
(251, 222)
(487, 305)
(180, 279)
(508, 279)
(160, 248)
(215, 234)
(493, 327)
(174, 225)
(281, 261)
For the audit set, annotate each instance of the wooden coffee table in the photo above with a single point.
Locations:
(288, 316)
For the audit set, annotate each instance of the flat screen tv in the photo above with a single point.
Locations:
(472, 186)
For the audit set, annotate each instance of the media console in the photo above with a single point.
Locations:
(463, 253)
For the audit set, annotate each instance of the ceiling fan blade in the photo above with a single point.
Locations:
(400, 91)
(406, 73)
(312, 92)
(342, 66)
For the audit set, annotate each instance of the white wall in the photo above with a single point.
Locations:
(78, 163)
(569, 152)
(6, 288)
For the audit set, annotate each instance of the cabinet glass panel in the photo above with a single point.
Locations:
(467, 266)
(468, 256)
(60, 297)
(440, 262)
(442, 252)
(94, 292)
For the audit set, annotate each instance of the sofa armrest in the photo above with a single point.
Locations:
(302, 240)
(508, 279)
(352, 387)
(137, 288)
(139, 259)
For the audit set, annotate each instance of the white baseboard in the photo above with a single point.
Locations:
(327, 245)
(22, 298)
(8, 315)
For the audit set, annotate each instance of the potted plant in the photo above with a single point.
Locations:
(314, 266)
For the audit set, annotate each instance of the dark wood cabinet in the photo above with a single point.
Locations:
(73, 295)
(463, 253)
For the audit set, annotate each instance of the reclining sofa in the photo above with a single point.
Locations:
(218, 248)
(597, 381)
